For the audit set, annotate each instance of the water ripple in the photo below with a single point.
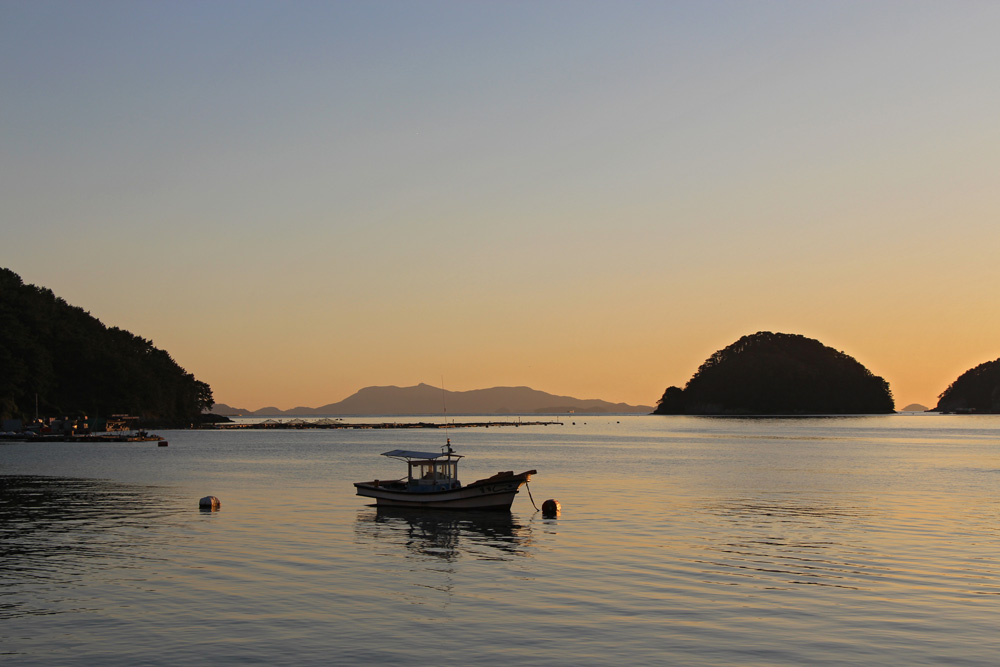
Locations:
(55, 533)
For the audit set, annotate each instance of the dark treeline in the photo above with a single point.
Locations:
(75, 365)
(976, 390)
(774, 373)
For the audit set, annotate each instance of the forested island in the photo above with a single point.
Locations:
(976, 390)
(69, 364)
(779, 374)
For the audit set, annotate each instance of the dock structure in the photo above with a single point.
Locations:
(299, 423)
(117, 428)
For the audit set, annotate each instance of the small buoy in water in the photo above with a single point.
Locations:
(209, 503)
(163, 443)
(551, 508)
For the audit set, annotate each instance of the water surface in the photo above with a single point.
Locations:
(689, 541)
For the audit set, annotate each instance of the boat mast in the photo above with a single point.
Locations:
(444, 404)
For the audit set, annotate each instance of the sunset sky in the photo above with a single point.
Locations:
(300, 199)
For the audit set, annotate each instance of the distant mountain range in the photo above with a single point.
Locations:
(424, 399)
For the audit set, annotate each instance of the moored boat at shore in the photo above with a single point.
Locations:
(432, 482)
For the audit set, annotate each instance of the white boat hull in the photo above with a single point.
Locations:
(487, 494)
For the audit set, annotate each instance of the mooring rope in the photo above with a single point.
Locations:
(529, 496)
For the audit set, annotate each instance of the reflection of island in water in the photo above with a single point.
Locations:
(447, 535)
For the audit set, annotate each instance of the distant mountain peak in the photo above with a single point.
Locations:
(425, 399)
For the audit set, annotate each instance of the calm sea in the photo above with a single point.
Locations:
(684, 541)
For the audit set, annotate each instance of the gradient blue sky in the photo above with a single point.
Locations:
(299, 199)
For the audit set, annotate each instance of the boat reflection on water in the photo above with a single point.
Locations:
(447, 535)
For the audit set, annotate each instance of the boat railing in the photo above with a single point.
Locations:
(385, 482)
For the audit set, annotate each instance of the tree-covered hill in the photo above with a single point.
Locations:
(975, 390)
(75, 365)
(775, 373)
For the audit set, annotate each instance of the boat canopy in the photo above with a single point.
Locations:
(408, 455)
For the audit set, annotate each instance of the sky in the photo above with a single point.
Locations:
(301, 199)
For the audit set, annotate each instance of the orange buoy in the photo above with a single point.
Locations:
(209, 503)
(551, 508)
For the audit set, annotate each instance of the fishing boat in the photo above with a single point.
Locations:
(432, 482)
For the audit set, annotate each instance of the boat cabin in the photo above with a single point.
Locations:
(428, 471)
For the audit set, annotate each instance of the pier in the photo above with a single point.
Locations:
(337, 424)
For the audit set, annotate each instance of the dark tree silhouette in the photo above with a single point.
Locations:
(672, 402)
(975, 390)
(774, 373)
(75, 365)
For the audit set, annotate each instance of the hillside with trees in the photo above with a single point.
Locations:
(74, 365)
(975, 390)
(779, 374)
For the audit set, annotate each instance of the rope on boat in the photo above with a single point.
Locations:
(529, 496)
